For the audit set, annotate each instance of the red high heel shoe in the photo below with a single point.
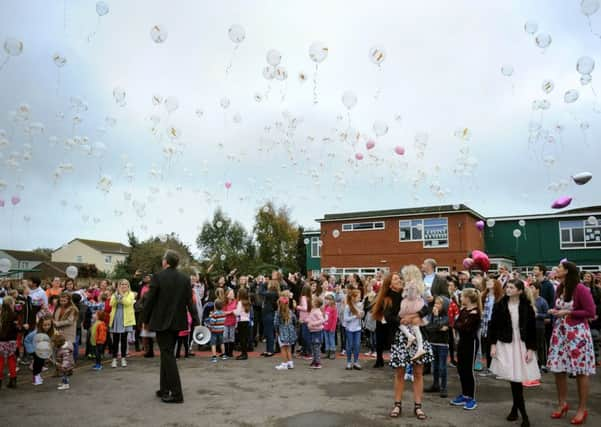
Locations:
(581, 420)
(561, 413)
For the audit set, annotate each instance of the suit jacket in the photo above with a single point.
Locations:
(440, 286)
(166, 301)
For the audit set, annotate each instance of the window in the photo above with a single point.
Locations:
(433, 232)
(443, 270)
(363, 226)
(579, 234)
(79, 258)
(315, 247)
(108, 259)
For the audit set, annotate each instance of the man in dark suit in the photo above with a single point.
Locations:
(165, 305)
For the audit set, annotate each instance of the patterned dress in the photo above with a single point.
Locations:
(571, 348)
(400, 354)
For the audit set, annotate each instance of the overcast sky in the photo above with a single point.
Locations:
(441, 72)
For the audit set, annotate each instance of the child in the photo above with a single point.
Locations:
(8, 340)
(467, 325)
(315, 322)
(452, 313)
(92, 307)
(216, 320)
(243, 313)
(542, 317)
(41, 343)
(229, 330)
(98, 333)
(304, 308)
(353, 313)
(183, 338)
(284, 324)
(411, 304)
(369, 321)
(438, 327)
(331, 313)
(64, 359)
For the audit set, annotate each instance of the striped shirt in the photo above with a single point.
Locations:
(217, 321)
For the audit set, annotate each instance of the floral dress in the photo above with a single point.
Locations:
(571, 348)
(401, 354)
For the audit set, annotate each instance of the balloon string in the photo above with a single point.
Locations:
(315, 101)
(590, 27)
(4, 62)
(228, 68)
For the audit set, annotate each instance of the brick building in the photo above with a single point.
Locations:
(366, 242)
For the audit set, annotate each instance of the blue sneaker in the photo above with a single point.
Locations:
(214, 359)
(97, 367)
(460, 400)
(470, 405)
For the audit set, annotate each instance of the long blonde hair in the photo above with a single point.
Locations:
(411, 273)
(473, 295)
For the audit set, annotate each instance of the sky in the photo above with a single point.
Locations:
(90, 149)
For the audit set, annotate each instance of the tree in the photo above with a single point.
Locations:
(45, 252)
(276, 237)
(301, 252)
(226, 244)
(147, 255)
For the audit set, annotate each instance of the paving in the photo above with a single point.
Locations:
(253, 393)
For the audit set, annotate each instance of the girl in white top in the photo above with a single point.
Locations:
(243, 313)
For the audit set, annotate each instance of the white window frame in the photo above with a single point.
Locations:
(361, 271)
(586, 228)
(420, 224)
(315, 247)
(350, 226)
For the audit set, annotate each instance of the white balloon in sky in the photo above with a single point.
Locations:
(13, 47)
(349, 99)
(377, 55)
(507, 70)
(571, 96)
(380, 128)
(102, 8)
(236, 33)
(589, 7)
(273, 57)
(585, 65)
(158, 34)
(548, 86)
(171, 104)
(318, 52)
(281, 73)
(543, 40)
(531, 27)
(268, 72)
(59, 60)
(224, 102)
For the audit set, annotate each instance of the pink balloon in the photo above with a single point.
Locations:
(370, 144)
(359, 156)
(562, 202)
(1, 203)
(468, 263)
(481, 260)
(15, 200)
(228, 185)
(480, 225)
(399, 150)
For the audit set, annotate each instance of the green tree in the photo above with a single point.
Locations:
(45, 252)
(301, 252)
(276, 237)
(226, 244)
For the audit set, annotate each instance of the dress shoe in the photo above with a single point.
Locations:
(160, 393)
(172, 399)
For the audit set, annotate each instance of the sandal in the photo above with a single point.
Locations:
(396, 410)
(419, 413)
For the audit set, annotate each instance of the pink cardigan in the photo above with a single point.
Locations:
(583, 307)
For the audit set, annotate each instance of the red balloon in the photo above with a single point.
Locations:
(481, 260)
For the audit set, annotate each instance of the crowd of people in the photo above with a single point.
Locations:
(501, 324)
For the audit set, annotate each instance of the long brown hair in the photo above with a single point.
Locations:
(570, 281)
(6, 312)
(306, 292)
(350, 294)
(497, 290)
(40, 325)
(243, 298)
(383, 300)
(284, 311)
(473, 295)
(65, 312)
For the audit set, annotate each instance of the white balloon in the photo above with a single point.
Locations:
(13, 47)
(591, 220)
(517, 233)
(199, 113)
(585, 79)
(543, 40)
(349, 99)
(571, 96)
(236, 33)
(306, 241)
(585, 65)
(522, 223)
(507, 70)
(59, 60)
(171, 104)
(589, 7)
(490, 223)
(224, 102)
(273, 57)
(4, 265)
(531, 27)
(318, 52)
(548, 86)
(102, 8)
(281, 73)
(158, 34)
(380, 128)
(268, 72)
(71, 272)
(336, 234)
(377, 55)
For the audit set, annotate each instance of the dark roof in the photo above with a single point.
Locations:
(105, 247)
(51, 269)
(25, 255)
(311, 232)
(558, 214)
(443, 209)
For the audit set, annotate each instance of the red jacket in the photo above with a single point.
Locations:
(453, 312)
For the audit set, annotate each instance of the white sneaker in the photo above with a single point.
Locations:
(282, 367)
(409, 377)
(37, 380)
(114, 363)
(64, 387)
(291, 365)
(123, 362)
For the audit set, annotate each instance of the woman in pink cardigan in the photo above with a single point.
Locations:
(571, 349)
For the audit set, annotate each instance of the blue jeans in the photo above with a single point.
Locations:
(268, 331)
(76, 347)
(353, 343)
(305, 339)
(439, 366)
(371, 341)
(316, 346)
(330, 340)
